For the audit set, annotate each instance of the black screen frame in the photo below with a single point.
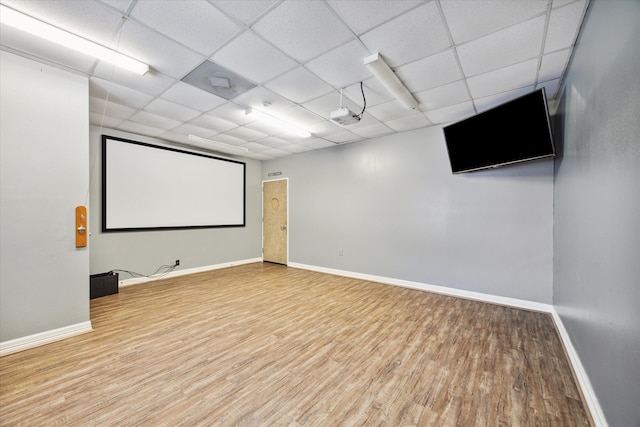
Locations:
(105, 228)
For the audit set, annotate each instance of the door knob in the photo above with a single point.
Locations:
(283, 227)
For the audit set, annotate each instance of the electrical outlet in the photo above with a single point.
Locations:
(340, 252)
(177, 262)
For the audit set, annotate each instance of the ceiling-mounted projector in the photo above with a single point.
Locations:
(344, 116)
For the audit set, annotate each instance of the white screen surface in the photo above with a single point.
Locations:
(152, 187)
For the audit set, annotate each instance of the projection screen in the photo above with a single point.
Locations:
(150, 187)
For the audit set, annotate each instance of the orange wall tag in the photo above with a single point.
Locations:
(81, 227)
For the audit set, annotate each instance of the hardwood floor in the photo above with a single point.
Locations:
(263, 344)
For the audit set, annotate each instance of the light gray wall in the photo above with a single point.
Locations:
(394, 207)
(44, 175)
(597, 207)
(145, 251)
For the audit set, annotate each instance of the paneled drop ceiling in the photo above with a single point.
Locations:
(457, 57)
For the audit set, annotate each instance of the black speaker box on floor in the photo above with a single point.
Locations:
(103, 284)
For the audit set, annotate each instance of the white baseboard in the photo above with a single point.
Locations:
(478, 296)
(580, 374)
(41, 338)
(138, 280)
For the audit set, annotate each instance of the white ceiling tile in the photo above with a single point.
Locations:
(339, 138)
(256, 97)
(373, 131)
(96, 119)
(275, 153)
(231, 112)
(303, 117)
(303, 29)
(318, 143)
(564, 24)
(228, 139)
(299, 85)
(258, 156)
(488, 102)
(120, 5)
(246, 134)
(190, 129)
(409, 37)
(468, 20)
(217, 149)
(154, 120)
(273, 142)
(443, 96)
(105, 89)
(256, 147)
(161, 53)
(415, 121)
(109, 108)
(452, 113)
(560, 3)
(216, 124)
(363, 15)
(139, 128)
(291, 138)
(176, 137)
(342, 66)
(509, 46)
(504, 79)
(356, 100)
(553, 65)
(265, 129)
(191, 145)
(193, 23)
(325, 128)
(430, 72)
(271, 129)
(390, 111)
(169, 109)
(187, 95)
(374, 93)
(259, 60)
(296, 148)
(244, 11)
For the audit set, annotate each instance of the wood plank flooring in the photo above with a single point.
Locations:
(262, 345)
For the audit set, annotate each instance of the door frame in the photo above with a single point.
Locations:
(262, 214)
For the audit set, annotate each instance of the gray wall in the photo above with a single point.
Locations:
(44, 175)
(145, 251)
(597, 207)
(396, 210)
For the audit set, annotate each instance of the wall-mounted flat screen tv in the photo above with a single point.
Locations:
(514, 132)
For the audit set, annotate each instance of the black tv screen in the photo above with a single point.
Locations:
(514, 132)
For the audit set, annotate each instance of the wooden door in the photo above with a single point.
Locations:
(275, 221)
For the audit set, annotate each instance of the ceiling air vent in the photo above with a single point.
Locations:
(218, 80)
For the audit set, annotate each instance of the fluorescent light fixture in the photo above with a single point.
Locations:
(215, 144)
(285, 126)
(56, 35)
(385, 75)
